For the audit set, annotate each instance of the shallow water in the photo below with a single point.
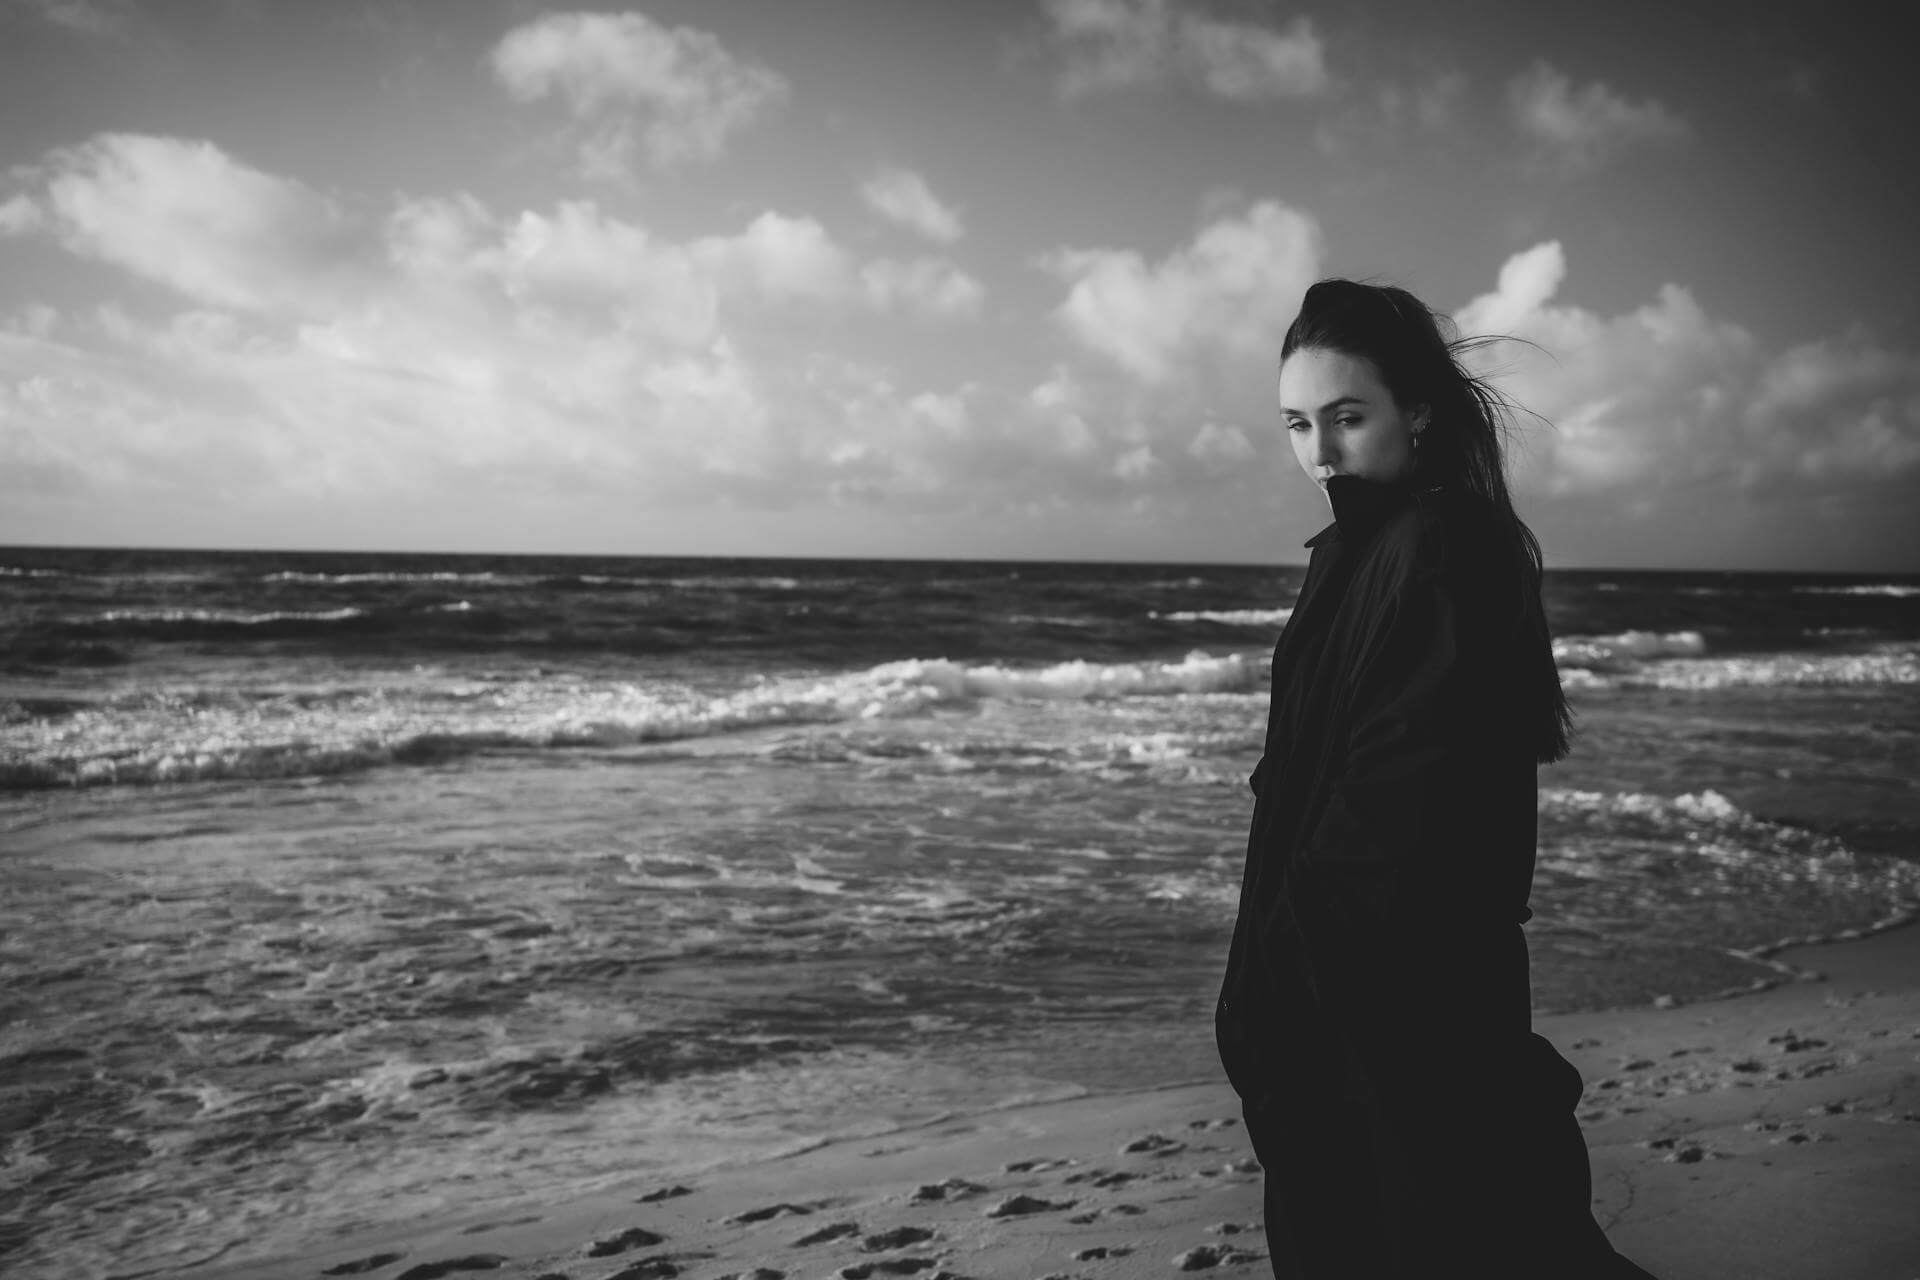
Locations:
(330, 903)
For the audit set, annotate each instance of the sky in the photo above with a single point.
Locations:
(993, 279)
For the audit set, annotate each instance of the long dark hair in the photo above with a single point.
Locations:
(1418, 355)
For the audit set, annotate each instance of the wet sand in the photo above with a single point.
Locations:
(1768, 1135)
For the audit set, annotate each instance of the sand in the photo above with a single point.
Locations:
(1773, 1134)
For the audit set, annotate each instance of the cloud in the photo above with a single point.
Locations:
(18, 216)
(1426, 108)
(674, 92)
(297, 351)
(1120, 44)
(904, 197)
(1527, 281)
(187, 215)
(1665, 401)
(1230, 292)
(87, 17)
(1579, 130)
(928, 286)
(1220, 448)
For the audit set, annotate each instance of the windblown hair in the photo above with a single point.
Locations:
(1419, 357)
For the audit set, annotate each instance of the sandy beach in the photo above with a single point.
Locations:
(1773, 1134)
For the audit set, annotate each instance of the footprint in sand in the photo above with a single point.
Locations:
(631, 1238)
(758, 1273)
(1123, 1210)
(1156, 1143)
(1208, 1256)
(832, 1231)
(1687, 1151)
(887, 1267)
(1791, 1043)
(648, 1269)
(664, 1193)
(1017, 1206)
(435, 1270)
(898, 1238)
(951, 1189)
(772, 1211)
(360, 1266)
(1799, 1135)
(1102, 1251)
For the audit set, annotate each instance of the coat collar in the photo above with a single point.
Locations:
(1360, 506)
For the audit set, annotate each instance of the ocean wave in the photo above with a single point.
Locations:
(1625, 647)
(231, 617)
(1896, 664)
(10, 571)
(1900, 590)
(293, 575)
(1229, 617)
(167, 738)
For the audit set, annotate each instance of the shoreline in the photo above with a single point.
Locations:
(1769, 1134)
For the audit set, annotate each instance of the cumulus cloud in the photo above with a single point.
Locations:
(18, 215)
(1665, 400)
(1424, 108)
(305, 350)
(675, 93)
(928, 286)
(87, 17)
(1220, 448)
(187, 215)
(903, 196)
(1577, 130)
(1119, 44)
(1228, 293)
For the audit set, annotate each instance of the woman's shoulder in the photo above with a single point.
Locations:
(1441, 524)
(1451, 534)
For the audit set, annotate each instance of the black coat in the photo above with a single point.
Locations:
(1375, 1013)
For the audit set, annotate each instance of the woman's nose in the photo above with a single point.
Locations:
(1326, 447)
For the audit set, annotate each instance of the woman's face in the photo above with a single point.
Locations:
(1342, 419)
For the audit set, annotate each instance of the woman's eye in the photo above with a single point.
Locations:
(1347, 421)
(1294, 424)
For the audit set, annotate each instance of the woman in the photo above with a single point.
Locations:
(1375, 1015)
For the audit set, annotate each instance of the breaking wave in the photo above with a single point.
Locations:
(1230, 617)
(156, 738)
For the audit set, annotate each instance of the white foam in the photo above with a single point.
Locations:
(1198, 672)
(236, 616)
(1627, 646)
(1157, 748)
(1893, 664)
(1710, 825)
(1900, 590)
(1230, 617)
(174, 737)
(292, 575)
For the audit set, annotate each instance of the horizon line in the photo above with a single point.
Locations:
(884, 559)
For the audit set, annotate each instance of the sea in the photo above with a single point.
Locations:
(340, 892)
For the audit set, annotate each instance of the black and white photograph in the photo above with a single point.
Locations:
(961, 639)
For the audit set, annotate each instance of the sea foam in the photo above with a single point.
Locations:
(190, 735)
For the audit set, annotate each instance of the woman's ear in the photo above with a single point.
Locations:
(1421, 416)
